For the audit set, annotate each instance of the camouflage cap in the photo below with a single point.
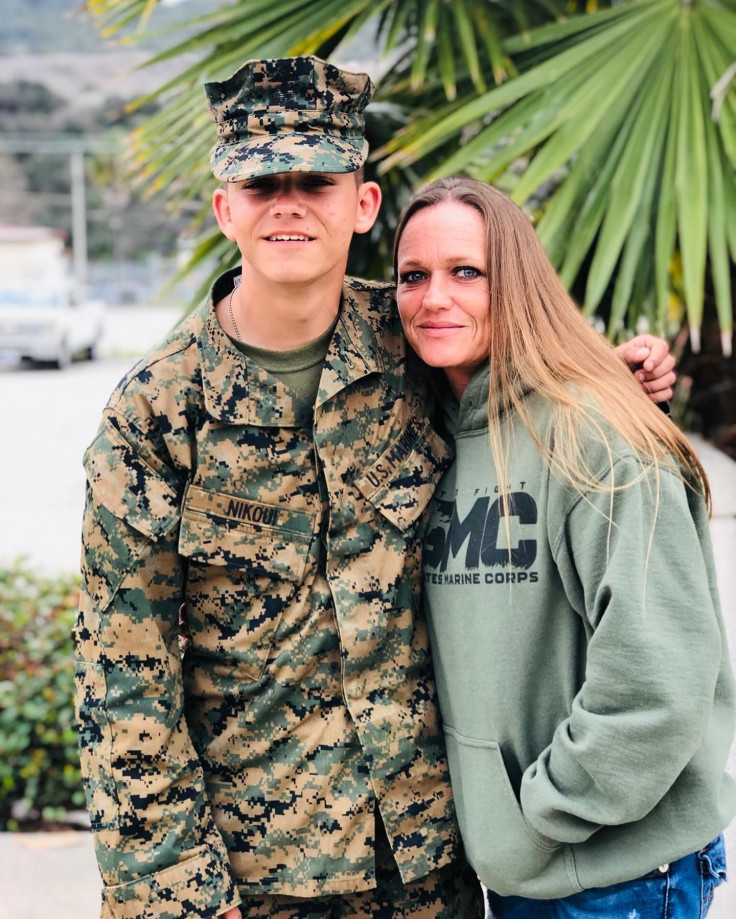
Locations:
(297, 114)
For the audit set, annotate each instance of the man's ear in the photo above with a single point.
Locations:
(221, 209)
(369, 203)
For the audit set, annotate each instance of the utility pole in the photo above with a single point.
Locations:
(79, 219)
(75, 148)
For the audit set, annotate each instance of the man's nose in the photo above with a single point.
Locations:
(287, 199)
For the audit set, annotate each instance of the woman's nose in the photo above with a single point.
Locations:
(436, 294)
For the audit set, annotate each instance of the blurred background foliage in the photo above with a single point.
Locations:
(39, 767)
(612, 123)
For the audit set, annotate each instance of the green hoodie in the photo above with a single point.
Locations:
(584, 683)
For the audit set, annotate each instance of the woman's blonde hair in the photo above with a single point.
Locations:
(540, 341)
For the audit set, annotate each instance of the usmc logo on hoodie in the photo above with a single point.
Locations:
(496, 533)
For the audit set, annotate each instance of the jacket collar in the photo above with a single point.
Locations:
(354, 352)
(238, 391)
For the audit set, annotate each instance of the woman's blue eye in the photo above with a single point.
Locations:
(466, 271)
(411, 277)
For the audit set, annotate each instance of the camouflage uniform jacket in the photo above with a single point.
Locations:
(288, 538)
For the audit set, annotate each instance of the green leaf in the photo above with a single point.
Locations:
(718, 178)
(146, 14)
(591, 214)
(575, 26)
(691, 175)
(488, 35)
(446, 63)
(666, 225)
(397, 28)
(375, 10)
(718, 61)
(322, 22)
(640, 232)
(729, 197)
(426, 33)
(466, 37)
(628, 181)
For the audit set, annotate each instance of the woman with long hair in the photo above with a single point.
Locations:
(581, 660)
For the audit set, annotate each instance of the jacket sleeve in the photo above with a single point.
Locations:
(637, 566)
(159, 851)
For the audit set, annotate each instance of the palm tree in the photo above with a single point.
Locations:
(613, 124)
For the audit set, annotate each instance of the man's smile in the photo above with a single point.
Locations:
(289, 238)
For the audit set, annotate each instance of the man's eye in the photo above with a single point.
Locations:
(260, 186)
(411, 277)
(316, 181)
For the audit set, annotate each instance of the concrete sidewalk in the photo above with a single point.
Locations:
(55, 874)
(722, 475)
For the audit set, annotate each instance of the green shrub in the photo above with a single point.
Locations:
(39, 762)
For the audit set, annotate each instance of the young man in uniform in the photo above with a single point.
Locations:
(258, 483)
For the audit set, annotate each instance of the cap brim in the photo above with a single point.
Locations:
(287, 153)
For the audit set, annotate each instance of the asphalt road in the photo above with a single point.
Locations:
(47, 419)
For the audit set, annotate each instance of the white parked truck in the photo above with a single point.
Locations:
(42, 318)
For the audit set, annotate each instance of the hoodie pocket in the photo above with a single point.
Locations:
(506, 852)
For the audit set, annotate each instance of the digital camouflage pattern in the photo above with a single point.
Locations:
(286, 538)
(452, 892)
(297, 114)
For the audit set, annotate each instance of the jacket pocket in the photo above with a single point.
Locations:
(402, 481)
(245, 562)
(265, 539)
(508, 854)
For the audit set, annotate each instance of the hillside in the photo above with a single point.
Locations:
(85, 80)
(53, 26)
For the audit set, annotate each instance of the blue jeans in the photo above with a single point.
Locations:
(683, 891)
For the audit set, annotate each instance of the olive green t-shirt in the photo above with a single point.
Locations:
(298, 368)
